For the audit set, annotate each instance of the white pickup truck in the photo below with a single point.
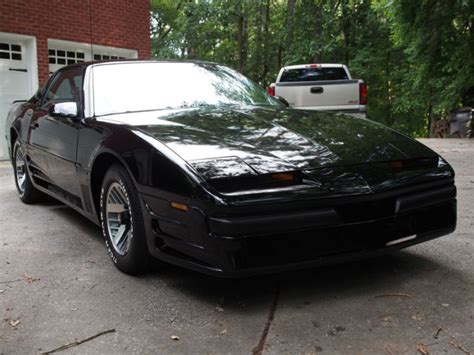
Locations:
(324, 87)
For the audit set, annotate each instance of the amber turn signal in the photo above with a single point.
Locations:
(283, 177)
(396, 164)
(179, 206)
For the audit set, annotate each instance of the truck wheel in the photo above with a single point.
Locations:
(122, 222)
(26, 191)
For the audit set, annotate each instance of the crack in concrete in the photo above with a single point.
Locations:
(258, 349)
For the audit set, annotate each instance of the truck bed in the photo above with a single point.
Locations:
(341, 93)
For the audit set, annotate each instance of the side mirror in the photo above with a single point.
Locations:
(282, 100)
(65, 109)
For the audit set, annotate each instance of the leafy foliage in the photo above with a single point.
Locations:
(415, 55)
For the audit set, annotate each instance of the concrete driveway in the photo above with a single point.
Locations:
(58, 286)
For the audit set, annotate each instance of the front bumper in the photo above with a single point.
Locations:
(244, 245)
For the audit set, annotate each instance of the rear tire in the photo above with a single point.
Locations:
(122, 222)
(26, 191)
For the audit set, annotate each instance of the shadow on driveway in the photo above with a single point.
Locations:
(340, 280)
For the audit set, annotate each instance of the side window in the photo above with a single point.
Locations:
(67, 86)
(63, 92)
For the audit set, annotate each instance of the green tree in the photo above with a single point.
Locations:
(415, 55)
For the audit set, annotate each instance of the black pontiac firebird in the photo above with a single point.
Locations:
(192, 163)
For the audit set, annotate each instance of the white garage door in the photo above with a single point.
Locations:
(19, 72)
(14, 82)
(63, 53)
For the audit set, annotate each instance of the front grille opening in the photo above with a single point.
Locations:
(160, 244)
(365, 211)
(155, 226)
(305, 246)
(312, 245)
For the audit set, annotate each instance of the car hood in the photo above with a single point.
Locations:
(336, 153)
(272, 140)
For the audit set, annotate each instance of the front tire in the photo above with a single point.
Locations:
(122, 222)
(26, 191)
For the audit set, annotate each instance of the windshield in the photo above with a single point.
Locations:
(129, 87)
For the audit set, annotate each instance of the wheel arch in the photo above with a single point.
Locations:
(99, 168)
(141, 162)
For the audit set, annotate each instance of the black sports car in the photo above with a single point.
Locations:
(192, 163)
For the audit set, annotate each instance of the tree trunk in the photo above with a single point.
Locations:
(290, 26)
(388, 74)
(258, 55)
(317, 32)
(346, 31)
(430, 115)
(190, 39)
(279, 57)
(265, 42)
(242, 37)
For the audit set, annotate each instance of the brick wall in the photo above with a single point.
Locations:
(115, 23)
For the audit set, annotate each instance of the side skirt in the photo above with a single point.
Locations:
(62, 199)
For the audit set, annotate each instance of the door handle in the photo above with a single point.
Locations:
(15, 69)
(34, 125)
(317, 90)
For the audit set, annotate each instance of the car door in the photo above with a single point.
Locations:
(52, 141)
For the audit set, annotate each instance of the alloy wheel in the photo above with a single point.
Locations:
(118, 217)
(20, 171)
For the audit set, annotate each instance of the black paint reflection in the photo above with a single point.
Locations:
(331, 149)
(297, 139)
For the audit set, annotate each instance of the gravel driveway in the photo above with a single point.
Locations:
(58, 286)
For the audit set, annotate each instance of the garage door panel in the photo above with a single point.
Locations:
(14, 82)
(14, 85)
